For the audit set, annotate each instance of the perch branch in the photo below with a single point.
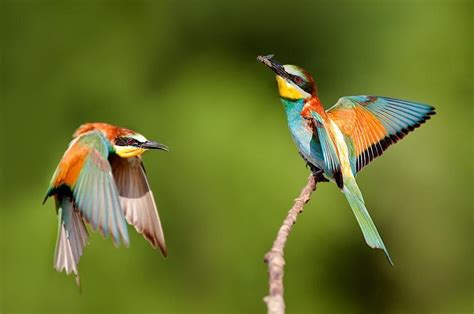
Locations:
(274, 258)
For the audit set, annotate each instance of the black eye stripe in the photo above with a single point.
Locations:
(301, 83)
(126, 141)
(306, 87)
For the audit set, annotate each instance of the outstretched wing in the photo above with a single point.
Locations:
(86, 172)
(373, 123)
(137, 199)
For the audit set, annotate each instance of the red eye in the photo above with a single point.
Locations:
(298, 80)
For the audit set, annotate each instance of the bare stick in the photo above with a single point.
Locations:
(274, 258)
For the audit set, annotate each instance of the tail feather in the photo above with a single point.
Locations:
(371, 235)
(72, 238)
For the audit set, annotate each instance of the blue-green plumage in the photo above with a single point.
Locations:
(95, 191)
(342, 140)
(308, 144)
(317, 147)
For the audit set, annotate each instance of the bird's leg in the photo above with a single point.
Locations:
(317, 172)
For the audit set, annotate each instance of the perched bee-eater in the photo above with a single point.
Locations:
(337, 143)
(101, 180)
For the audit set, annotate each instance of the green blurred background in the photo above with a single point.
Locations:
(185, 74)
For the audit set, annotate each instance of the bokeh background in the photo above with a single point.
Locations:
(184, 73)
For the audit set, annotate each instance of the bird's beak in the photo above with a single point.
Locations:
(273, 64)
(154, 145)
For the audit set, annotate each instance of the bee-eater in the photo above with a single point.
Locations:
(337, 143)
(101, 180)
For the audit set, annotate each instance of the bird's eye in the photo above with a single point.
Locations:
(125, 141)
(120, 141)
(298, 80)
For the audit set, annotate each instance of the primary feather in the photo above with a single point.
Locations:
(137, 200)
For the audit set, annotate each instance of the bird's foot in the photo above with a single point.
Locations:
(317, 173)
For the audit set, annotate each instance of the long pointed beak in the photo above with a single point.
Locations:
(154, 145)
(273, 64)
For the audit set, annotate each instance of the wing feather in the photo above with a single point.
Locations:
(332, 166)
(373, 123)
(72, 237)
(137, 199)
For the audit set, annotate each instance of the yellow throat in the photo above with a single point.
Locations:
(128, 151)
(287, 90)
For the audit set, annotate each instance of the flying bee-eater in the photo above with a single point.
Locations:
(337, 143)
(101, 180)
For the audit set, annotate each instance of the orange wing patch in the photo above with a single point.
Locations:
(71, 165)
(345, 119)
(368, 131)
(361, 125)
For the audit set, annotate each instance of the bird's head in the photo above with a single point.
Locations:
(134, 144)
(294, 83)
(126, 143)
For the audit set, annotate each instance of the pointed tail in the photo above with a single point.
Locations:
(356, 201)
(72, 237)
